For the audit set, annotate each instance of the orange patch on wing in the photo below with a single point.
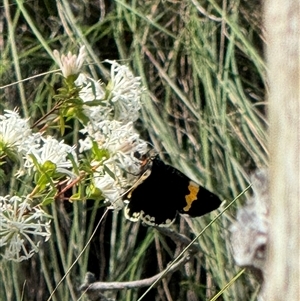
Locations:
(192, 196)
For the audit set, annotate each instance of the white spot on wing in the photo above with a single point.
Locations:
(134, 217)
(150, 220)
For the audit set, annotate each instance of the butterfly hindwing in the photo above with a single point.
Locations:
(163, 191)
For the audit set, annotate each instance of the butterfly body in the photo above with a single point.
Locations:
(162, 191)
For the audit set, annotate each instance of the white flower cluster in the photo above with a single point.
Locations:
(22, 228)
(54, 151)
(15, 134)
(125, 93)
(18, 141)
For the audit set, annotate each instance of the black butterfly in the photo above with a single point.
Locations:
(162, 191)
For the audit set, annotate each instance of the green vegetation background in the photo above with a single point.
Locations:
(204, 111)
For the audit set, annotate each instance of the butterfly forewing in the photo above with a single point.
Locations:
(166, 191)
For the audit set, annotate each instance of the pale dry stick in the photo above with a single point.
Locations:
(94, 289)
